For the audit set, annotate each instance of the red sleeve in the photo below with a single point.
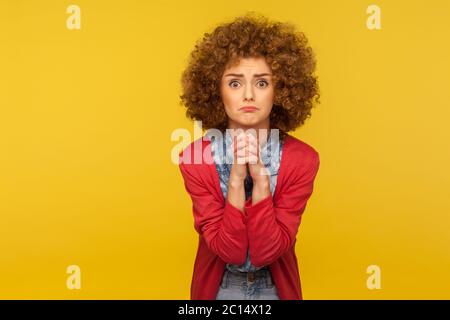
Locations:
(222, 226)
(272, 229)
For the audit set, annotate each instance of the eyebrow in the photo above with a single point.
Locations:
(240, 75)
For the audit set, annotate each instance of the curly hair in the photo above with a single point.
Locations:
(285, 50)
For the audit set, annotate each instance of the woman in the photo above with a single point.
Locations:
(249, 82)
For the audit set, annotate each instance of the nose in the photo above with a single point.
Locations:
(248, 94)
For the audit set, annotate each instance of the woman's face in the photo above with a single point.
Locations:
(248, 84)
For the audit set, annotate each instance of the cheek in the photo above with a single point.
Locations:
(270, 94)
(228, 98)
(268, 99)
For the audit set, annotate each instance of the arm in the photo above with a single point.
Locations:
(261, 188)
(236, 193)
(236, 189)
(223, 227)
(272, 229)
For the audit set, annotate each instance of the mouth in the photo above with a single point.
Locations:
(248, 109)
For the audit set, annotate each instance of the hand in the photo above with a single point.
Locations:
(240, 156)
(257, 169)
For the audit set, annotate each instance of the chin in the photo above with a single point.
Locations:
(248, 122)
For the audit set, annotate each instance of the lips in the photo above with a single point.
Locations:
(249, 108)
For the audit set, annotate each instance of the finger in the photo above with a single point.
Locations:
(242, 152)
(252, 159)
(253, 149)
(253, 142)
(241, 137)
(253, 146)
(241, 159)
(238, 146)
(252, 138)
(241, 144)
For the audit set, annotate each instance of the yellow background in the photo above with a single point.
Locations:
(85, 172)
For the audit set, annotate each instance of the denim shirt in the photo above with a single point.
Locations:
(222, 153)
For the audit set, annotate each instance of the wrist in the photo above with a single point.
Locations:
(260, 191)
(260, 175)
(238, 172)
(235, 181)
(261, 182)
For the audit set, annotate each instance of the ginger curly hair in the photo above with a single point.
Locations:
(286, 52)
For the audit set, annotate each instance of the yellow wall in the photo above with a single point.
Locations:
(85, 172)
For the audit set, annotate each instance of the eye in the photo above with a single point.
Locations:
(264, 82)
(233, 82)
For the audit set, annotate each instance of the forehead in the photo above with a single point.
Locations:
(250, 65)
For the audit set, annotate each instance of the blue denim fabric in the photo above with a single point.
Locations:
(235, 286)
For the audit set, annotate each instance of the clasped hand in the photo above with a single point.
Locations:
(247, 157)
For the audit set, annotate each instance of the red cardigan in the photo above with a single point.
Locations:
(269, 227)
